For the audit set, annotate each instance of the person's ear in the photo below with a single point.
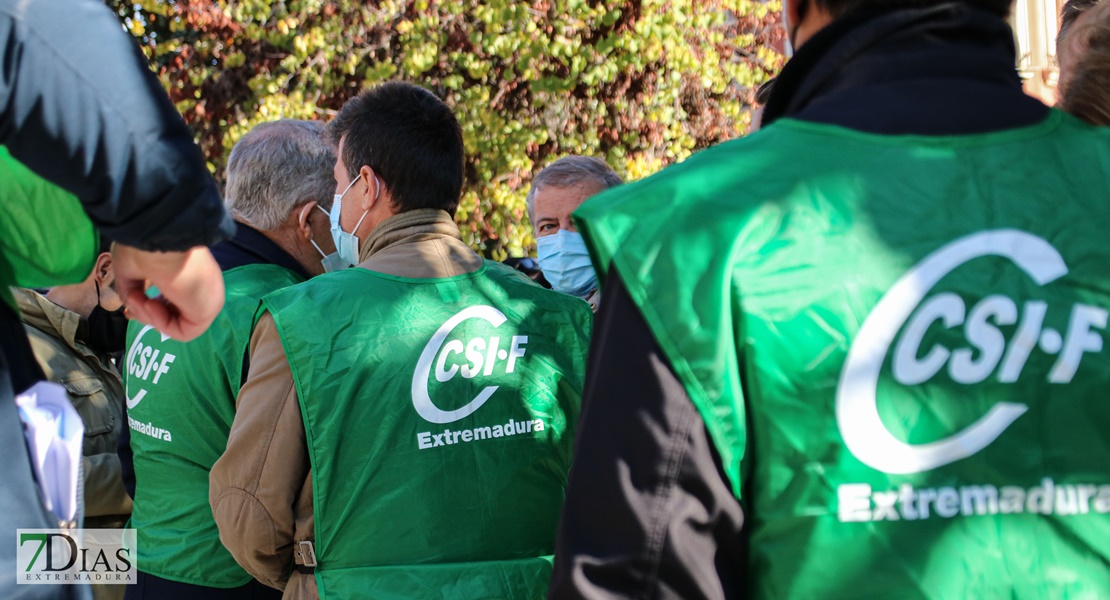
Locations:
(102, 270)
(806, 18)
(303, 225)
(370, 195)
(795, 11)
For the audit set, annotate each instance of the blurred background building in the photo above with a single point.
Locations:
(1035, 24)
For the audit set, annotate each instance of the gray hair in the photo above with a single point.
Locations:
(277, 166)
(570, 171)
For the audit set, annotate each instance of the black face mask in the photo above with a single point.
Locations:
(107, 329)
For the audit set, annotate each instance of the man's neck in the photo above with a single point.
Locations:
(79, 298)
(252, 246)
(286, 239)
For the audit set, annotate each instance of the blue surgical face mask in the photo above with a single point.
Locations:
(566, 263)
(331, 262)
(346, 244)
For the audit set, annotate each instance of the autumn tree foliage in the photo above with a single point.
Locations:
(641, 83)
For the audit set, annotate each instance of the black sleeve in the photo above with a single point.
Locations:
(123, 444)
(126, 457)
(649, 511)
(80, 107)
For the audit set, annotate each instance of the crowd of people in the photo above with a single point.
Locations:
(858, 353)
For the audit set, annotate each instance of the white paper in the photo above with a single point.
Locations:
(54, 433)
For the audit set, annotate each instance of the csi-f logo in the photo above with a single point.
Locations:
(986, 353)
(478, 356)
(145, 363)
(53, 556)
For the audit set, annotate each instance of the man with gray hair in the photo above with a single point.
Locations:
(182, 396)
(557, 192)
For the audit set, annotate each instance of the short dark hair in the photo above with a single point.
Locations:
(1087, 94)
(411, 140)
(839, 8)
(763, 93)
(1071, 11)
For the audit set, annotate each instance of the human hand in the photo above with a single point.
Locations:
(190, 283)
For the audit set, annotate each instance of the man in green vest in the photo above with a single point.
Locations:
(406, 427)
(181, 396)
(862, 352)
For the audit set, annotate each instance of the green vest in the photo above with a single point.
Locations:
(897, 346)
(45, 237)
(439, 419)
(181, 402)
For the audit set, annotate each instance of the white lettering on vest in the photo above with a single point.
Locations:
(427, 439)
(477, 352)
(860, 503)
(857, 414)
(143, 362)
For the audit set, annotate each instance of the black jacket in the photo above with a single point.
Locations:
(80, 107)
(649, 512)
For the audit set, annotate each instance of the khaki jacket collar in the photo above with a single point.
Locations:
(44, 315)
(422, 243)
(401, 227)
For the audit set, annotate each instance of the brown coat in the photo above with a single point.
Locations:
(261, 489)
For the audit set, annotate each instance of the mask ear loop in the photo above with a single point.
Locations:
(360, 221)
(318, 207)
(312, 240)
(377, 192)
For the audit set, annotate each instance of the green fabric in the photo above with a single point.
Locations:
(407, 388)
(493, 579)
(181, 403)
(45, 237)
(897, 345)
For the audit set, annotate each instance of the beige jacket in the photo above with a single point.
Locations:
(261, 489)
(96, 390)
